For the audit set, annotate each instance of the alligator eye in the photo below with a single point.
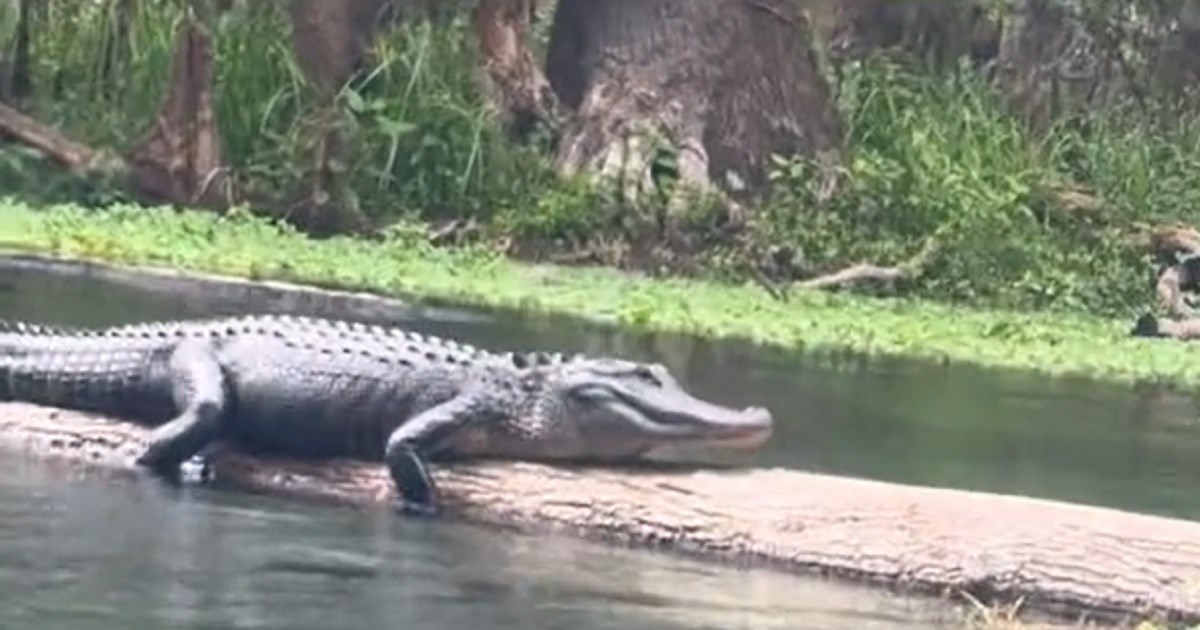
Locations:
(647, 375)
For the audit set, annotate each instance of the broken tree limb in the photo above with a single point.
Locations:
(179, 160)
(76, 157)
(853, 274)
(1061, 558)
(870, 272)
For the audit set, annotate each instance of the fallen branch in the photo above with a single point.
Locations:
(179, 160)
(78, 158)
(853, 274)
(868, 272)
(1061, 558)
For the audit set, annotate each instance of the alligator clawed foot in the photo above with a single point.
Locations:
(416, 509)
(417, 494)
(197, 470)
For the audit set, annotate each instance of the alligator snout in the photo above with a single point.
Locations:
(750, 428)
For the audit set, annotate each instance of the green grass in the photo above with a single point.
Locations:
(404, 265)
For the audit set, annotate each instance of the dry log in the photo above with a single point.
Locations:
(864, 272)
(1182, 330)
(76, 157)
(1185, 329)
(1060, 557)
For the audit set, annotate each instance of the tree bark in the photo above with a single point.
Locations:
(180, 160)
(512, 80)
(1062, 558)
(14, 73)
(329, 41)
(933, 33)
(715, 87)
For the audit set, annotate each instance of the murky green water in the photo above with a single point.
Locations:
(80, 552)
(133, 553)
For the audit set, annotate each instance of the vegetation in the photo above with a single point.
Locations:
(1039, 224)
(405, 264)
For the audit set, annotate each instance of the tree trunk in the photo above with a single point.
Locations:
(717, 87)
(935, 33)
(329, 41)
(514, 83)
(180, 161)
(1064, 559)
(14, 72)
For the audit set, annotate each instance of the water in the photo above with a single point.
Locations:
(198, 558)
(92, 551)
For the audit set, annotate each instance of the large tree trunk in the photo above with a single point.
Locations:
(179, 161)
(1063, 559)
(329, 41)
(723, 84)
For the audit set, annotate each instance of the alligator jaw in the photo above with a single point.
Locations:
(705, 424)
(745, 432)
(671, 415)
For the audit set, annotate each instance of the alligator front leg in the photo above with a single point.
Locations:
(198, 387)
(422, 434)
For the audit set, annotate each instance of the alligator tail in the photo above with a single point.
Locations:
(71, 368)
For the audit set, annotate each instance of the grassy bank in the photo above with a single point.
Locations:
(403, 264)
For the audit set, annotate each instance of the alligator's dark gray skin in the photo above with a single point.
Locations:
(316, 388)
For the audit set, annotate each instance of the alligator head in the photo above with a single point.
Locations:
(610, 409)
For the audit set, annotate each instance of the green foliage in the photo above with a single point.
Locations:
(404, 263)
(423, 142)
(936, 161)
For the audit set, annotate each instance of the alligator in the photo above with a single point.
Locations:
(320, 388)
